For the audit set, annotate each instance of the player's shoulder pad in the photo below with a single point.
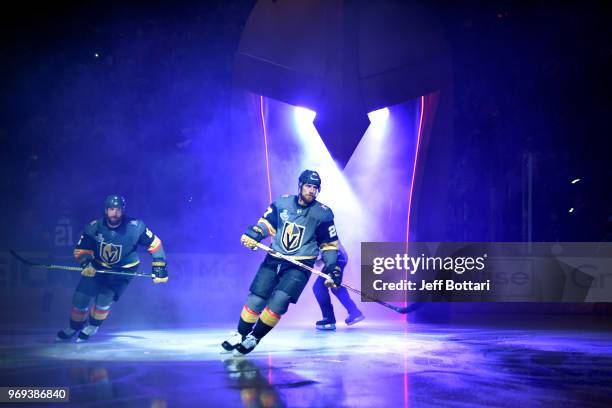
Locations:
(92, 227)
(283, 201)
(324, 212)
(135, 223)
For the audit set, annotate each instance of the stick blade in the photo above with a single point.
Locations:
(408, 309)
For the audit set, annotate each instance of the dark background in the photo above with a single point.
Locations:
(532, 78)
(150, 115)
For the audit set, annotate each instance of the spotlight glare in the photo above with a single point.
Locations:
(574, 181)
(304, 116)
(378, 115)
(571, 210)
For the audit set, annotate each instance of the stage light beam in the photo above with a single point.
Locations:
(379, 115)
(304, 116)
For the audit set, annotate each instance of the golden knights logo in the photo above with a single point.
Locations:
(110, 253)
(292, 236)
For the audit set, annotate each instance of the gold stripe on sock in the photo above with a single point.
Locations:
(99, 314)
(249, 315)
(269, 317)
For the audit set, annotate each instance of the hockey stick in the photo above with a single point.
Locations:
(69, 268)
(402, 310)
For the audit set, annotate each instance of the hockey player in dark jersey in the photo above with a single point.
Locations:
(109, 243)
(300, 228)
(321, 292)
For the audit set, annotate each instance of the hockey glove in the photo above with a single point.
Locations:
(87, 268)
(335, 274)
(160, 273)
(252, 236)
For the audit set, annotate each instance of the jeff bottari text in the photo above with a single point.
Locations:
(436, 285)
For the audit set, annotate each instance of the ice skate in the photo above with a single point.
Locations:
(352, 319)
(232, 341)
(86, 333)
(66, 334)
(326, 324)
(247, 345)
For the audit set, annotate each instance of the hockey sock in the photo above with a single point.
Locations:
(98, 315)
(248, 318)
(77, 318)
(266, 322)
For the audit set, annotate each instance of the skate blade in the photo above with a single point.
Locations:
(228, 346)
(356, 320)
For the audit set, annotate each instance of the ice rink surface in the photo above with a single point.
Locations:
(368, 365)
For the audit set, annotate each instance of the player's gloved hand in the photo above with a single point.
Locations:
(160, 273)
(335, 275)
(87, 268)
(252, 236)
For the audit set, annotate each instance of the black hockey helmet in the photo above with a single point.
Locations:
(310, 177)
(114, 201)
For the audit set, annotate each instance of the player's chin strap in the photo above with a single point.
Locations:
(69, 268)
(402, 310)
